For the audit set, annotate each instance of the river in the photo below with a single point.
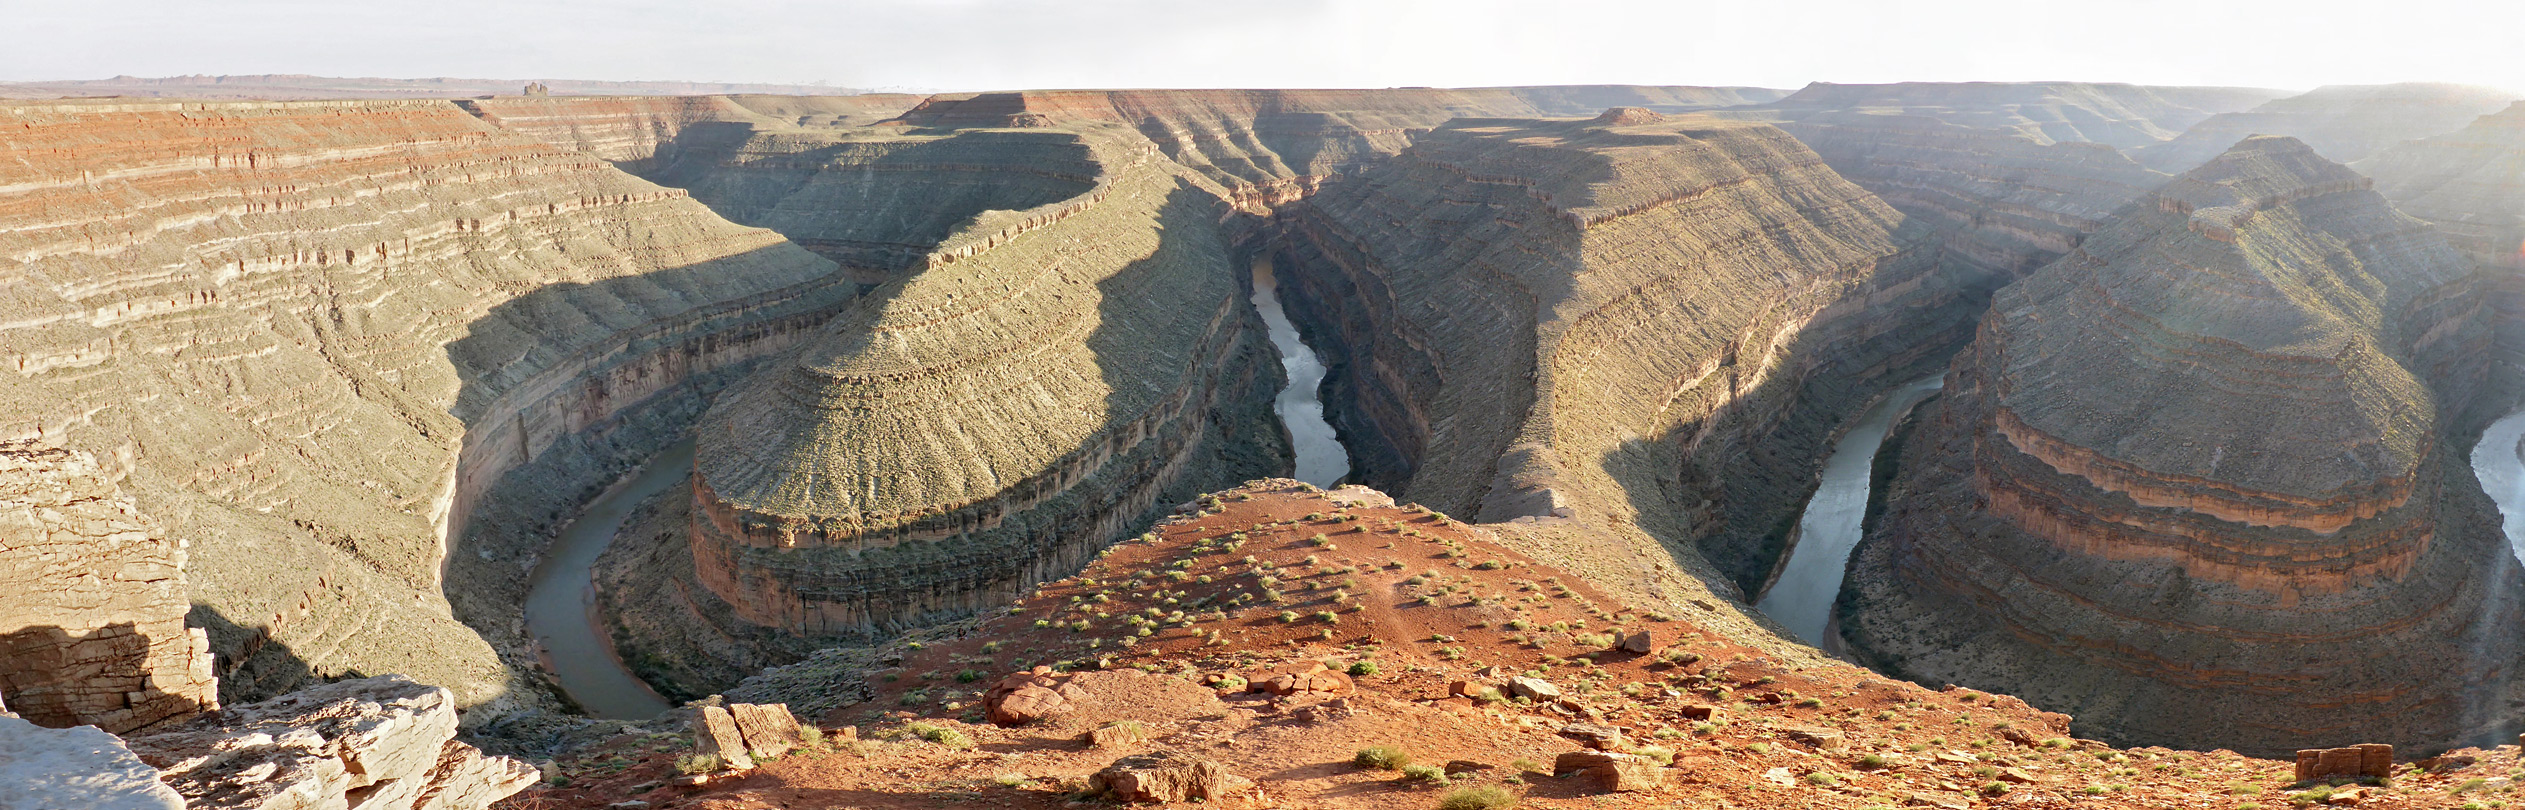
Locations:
(561, 604)
(1801, 599)
(1321, 459)
(2500, 466)
(560, 599)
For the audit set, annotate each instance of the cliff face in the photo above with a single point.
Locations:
(1593, 318)
(1037, 388)
(2201, 482)
(641, 135)
(2470, 183)
(2342, 123)
(323, 333)
(92, 632)
(2122, 116)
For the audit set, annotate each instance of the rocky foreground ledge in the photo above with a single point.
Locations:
(383, 743)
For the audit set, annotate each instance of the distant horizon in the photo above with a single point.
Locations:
(520, 81)
(984, 45)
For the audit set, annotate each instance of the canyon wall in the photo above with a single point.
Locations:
(2343, 123)
(1595, 318)
(2200, 483)
(1043, 384)
(641, 134)
(313, 334)
(2001, 203)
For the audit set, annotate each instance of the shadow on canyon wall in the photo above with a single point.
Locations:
(250, 663)
(56, 678)
(567, 388)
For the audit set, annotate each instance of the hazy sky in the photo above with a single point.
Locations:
(986, 44)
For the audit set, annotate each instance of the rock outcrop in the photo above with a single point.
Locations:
(1592, 318)
(2200, 483)
(1037, 388)
(1168, 776)
(2470, 183)
(382, 743)
(331, 334)
(92, 632)
(2343, 123)
(81, 767)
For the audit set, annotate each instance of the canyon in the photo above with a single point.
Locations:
(596, 405)
(2248, 509)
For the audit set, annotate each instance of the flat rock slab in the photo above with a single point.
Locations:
(49, 768)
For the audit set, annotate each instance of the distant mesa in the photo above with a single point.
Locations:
(2469, 183)
(2343, 123)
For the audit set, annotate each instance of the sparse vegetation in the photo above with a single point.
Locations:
(939, 734)
(690, 764)
(1381, 757)
(1486, 797)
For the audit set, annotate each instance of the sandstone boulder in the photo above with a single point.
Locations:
(1601, 738)
(2372, 760)
(1818, 738)
(715, 733)
(386, 740)
(1169, 776)
(85, 768)
(1576, 761)
(1535, 689)
(1313, 678)
(769, 729)
(1640, 642)
(1620, 773)
(1025, 697)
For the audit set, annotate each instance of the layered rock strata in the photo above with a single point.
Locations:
(1596, 317)
(643, 135)
(93, 630)
(2200, 483)
(326, 332)
(2003, 203)
(382, 743)
(1036, 389)
(2341, 122)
